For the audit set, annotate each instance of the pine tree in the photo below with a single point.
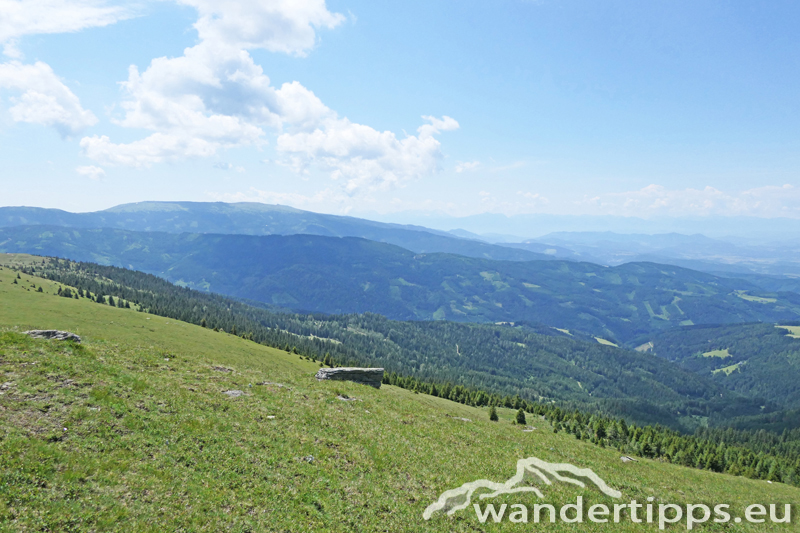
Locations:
(521, 417)
(493, 414)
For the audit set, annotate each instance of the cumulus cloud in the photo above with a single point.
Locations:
(195, 104)
(215, 97)
(657, 200)
(45, 99)
(31, 17)
(279, 25)
(466, 166)
(92, 172)
(364, 157)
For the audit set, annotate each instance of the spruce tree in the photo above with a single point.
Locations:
(521, 417)
(493, 414)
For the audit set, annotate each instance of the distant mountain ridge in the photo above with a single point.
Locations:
(695, 251)
(260, 219)
(354, 275)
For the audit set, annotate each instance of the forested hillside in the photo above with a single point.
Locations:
(502, 359)
(761, 360)
(350, 275)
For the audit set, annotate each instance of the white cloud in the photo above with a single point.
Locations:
(45, 99)
(278, 26)
(30, 17)
(195, 104)
(216, 97)
(657, 200)
(92, 172)
(364, 157)
(466, 166)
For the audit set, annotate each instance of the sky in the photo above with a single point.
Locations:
(648, 109)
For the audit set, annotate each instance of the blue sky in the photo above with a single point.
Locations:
(663, 108)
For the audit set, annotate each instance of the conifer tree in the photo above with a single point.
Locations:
(493, 414)
(521, 417)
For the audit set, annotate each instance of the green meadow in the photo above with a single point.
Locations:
(132, 430)
(722, 354)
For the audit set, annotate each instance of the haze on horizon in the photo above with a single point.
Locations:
(669, 110)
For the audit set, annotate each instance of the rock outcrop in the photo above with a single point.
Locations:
(366, 376)
(52, 334)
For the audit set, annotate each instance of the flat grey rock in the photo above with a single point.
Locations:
(52, 334)
(234, 393)
(366, 376)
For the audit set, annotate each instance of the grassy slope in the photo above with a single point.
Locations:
(153, 445)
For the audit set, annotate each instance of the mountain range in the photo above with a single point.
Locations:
(777, 258)
(354, 275)
(260, 219)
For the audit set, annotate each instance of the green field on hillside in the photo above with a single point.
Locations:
(722, 354)
(132, 430)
